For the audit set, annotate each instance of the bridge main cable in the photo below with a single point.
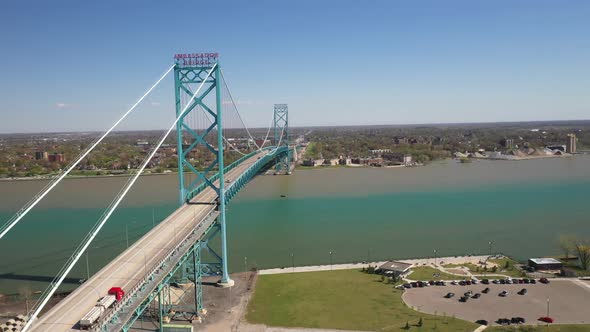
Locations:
(41, 194)
(90, 237)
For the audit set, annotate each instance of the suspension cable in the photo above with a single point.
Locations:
(41, 194)
(240, 116)
(106, 215)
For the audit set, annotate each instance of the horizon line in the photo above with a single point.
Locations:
(320, 126)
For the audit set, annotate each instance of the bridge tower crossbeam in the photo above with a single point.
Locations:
(281, 137)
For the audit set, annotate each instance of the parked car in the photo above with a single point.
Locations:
(474, 281)
(544, 280)
(476, 296)
(486, 290)
(463, 299)
(503, 321)
(546, 319)
(527, 281)
(509, 281)
(414, 285)
(533, 281)
(515, 281)
(503, 281)
(468, 293)
(481, 322)
(517, 320)
(453, 282)
(503, 293)
(408, 285)
(485, 281)
(449, 295)
(468, 282)
(401, 287)
(495, 281)
(522, 291)
(431, 282)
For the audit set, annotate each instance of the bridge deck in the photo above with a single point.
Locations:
(130, 266)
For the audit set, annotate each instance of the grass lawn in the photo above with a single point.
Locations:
(510, 271)
(552, 328)
(426, 273)
(472, 267)
(343, 299)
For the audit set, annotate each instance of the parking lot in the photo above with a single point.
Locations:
(569, 301)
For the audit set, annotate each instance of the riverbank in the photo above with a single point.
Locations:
(50, 177)
(415, 262)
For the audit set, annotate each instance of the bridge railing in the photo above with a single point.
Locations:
(190, 195)
(131, 293)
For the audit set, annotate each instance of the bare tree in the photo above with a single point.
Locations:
(566, 244)
(583, 251)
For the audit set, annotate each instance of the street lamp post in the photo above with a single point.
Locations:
(547, 311)
(127, 234)
(293, 262)
(87, 267)
(331, 252)
(434, 257)
(245, 264)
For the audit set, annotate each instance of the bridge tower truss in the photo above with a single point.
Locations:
(202, 140)
(281, 137)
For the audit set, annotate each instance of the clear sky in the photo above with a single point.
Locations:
(77, 65)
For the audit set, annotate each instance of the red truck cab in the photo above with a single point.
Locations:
(118, 292)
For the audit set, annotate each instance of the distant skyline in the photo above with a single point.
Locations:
(77, 66)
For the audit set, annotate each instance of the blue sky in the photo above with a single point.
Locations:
(77, 65)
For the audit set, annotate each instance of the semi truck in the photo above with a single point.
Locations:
(101, 306)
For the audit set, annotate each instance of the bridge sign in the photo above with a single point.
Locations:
(196, 59)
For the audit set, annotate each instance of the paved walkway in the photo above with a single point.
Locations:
(415, 262)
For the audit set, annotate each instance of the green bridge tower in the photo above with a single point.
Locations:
(281, 137)
(190, 72)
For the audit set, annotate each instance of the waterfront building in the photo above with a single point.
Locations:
(308, 162)
(545, 264)
(378, 151)
(56, 158)
(393, 268)
(41, 155)
(507, 143)
(407, 159)
(571, 143)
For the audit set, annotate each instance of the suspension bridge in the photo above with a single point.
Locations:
(180, 248)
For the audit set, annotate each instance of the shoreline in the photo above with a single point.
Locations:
(349, 266)
(47, 178)
(300, 167)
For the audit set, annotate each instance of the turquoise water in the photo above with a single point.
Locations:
(522, 222)
(357, 214)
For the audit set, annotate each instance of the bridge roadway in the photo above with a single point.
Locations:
(128, 269)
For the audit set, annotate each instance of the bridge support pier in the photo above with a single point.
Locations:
(160, 315)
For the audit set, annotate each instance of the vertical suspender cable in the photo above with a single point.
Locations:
(37, 198)
(84, 245)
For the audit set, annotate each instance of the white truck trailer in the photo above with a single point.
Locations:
(90, 318)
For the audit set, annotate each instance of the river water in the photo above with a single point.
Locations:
(357, 214)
